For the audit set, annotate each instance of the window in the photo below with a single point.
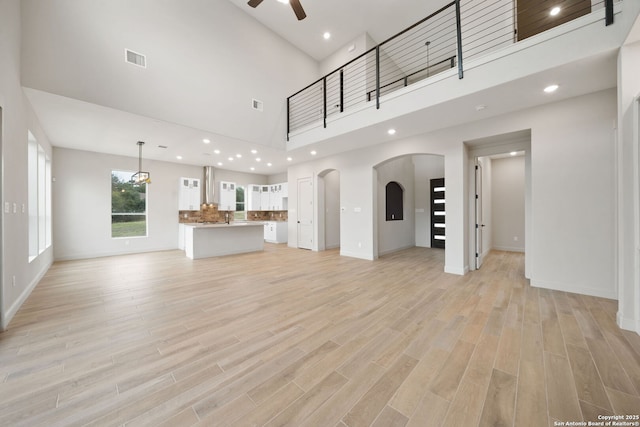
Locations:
(128, 206)
(394, 197)
(38, 198)
(240, 212)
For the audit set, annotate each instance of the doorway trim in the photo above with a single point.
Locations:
(3, 325)
(490, 146)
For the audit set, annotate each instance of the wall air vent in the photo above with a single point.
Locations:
(135, 58)
(257, 105)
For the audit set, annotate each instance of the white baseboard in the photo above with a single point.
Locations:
(356, 255)
(456, 270)
(508, 248)
(390, 251)
(627, 323)
(74, 257)
(557, 286)
(6, 317)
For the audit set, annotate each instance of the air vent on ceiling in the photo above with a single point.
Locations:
(257, 105)
(162, 146)
(135, 58)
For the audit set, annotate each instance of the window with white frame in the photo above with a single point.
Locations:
(128, 206)
(38, 198)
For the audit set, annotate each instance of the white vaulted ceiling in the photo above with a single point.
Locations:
(207, 60)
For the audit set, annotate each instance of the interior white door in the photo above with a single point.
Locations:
(479, 224)
(305, 213)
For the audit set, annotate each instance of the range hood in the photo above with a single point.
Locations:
(209, 194)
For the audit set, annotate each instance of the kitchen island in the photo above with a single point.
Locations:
(209, 240)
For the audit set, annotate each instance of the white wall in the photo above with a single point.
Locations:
(206, 61)
(507, 188)
(82, 208)
(82, 219)
(628, 188)
(426, 168)
(18, 118)
(332, 210)
(487, 201)
(570, 140)
(493, 31)
(360, 44)
(396, 235)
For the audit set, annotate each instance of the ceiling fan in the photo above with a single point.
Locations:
(295, 5)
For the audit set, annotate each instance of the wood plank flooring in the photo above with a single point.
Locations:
(289, 337)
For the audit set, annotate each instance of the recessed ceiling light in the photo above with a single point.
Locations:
(326, 35)
(284, 1)
(289, 159)
(238, 155)
(230, 159)
(269, 164)
(179, 157)
(554, 11)
(219, 163)
(206, 141)
(551, 88)
(252, 168)
(258, 159)
(254, 151)
(216, 151)
(314, 152)
(513, 153)
(391, 131)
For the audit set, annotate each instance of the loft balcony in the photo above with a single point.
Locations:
(435, 69)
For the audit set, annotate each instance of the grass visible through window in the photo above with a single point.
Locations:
(129, 229)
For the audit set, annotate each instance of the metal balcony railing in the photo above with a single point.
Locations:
(462, 29)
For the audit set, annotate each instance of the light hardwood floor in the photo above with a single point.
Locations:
(292, 337)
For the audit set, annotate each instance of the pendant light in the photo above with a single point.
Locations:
(140, 177)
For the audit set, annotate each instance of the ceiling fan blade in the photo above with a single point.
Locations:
(254, 3)
(297, 8)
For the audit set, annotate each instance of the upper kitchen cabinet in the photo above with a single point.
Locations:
(253, 197)
(278, 197)
(227, 196)
(189, 194)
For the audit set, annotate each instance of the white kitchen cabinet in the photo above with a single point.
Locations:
(227, 196)
(276, 231)
(253, 197)
(265, 196)
(181, 237)
(284, 197)
(189, 194)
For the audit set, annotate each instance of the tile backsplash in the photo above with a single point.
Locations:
(267, 216)
(210, 213)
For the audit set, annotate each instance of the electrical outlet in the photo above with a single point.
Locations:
(15, 208)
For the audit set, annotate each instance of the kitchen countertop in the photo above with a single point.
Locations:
(224, 224)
